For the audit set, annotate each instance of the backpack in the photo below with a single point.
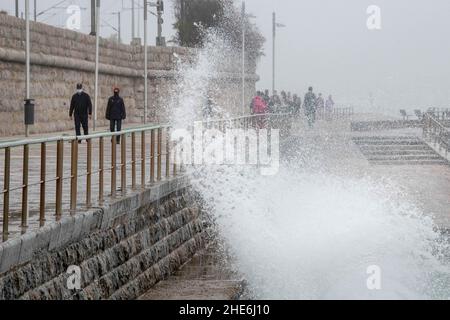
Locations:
(259, 106)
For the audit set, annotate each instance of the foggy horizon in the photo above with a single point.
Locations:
(326, 44)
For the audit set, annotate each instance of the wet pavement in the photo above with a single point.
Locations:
(206, 277)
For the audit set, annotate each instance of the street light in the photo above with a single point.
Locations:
(145, 61)
(29, 107)
(97, 45)
(244, 16)
(275, 26)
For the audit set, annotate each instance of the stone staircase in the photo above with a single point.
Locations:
(398, 150)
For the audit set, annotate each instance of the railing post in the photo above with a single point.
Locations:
(143, 157)
(42, 185)
(101, 166)
(6, 182)
(73, 176)
(89, 174)
(26, 154)
(59, 177)
(113, 166)
(123, 160)
(159, 153)
(152, 156)
(133, 161)
(167, 153)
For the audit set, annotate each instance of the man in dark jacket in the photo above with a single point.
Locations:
(81, 110)
(115, 112)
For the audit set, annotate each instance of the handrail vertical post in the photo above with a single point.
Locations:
(123, 160)
(101, 166)
(42, 184)
(159, 153)
(89, 174)
(133, 161)
(143, 161)
(59, 177)
(26, 154)
(152, 156)
(6, 182)
(167, 153)
(73, 176)
(113, 166)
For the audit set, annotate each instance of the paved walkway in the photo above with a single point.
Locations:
(205, 277)
(333, 148)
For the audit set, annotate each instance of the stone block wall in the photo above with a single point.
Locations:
(62, 58)
(122, 250)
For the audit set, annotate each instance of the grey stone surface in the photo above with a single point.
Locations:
(43, 237)
(27, 248)
(67, 228)
(77, 228)
(11, 254)
(55, 230)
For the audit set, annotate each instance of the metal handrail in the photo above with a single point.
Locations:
(437, 131)
(19, 143)
(74, 176)
(160, 147)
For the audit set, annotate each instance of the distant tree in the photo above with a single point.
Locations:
(194, 17)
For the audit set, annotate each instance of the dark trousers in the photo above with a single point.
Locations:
(115, 125)
(81, 121)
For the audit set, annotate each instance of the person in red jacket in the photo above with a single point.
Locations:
(259, 108)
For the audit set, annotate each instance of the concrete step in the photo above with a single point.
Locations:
(409, 163)
(405, 158)
(398, 152)
(390, 143)
(395, 148)
(381, 138)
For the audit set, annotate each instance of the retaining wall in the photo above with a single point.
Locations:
(62, 58)
(122, 249)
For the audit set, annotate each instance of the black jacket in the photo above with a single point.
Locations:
(80, 105)
(116, 109)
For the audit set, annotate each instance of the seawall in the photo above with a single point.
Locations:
(122, 249)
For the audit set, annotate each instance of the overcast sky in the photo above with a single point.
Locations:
(326, 44)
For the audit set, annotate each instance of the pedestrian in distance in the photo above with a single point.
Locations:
(81, 110)
(320, 104)
(329, 105)
(309, 104)
(116, 112)
(260, 110)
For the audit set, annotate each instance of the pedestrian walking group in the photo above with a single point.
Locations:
(263, 104)
(81, 111)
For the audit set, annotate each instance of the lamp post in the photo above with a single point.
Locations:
(27, 67)
(133, 24)
(93, 25)
(244, 17)
(97, 47)
(275, 26)
(17, 8)
(243, 57)
(145, 61)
